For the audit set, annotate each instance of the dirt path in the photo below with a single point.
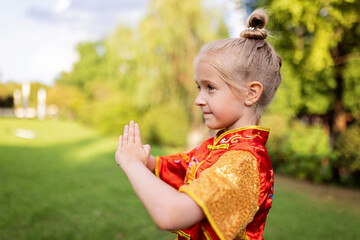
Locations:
(328, 193)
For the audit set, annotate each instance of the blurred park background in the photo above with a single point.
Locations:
(58, 177)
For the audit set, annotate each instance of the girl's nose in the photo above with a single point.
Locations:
(200, 101)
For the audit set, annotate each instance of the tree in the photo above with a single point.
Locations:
(319, 40)
(139, 73)
(89, 66)
(171, 36)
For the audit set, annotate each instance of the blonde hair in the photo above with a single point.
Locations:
(239, 61)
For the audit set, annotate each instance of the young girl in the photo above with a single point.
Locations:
(223, 188)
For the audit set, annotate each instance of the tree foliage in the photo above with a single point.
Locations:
(319, 42)
(146, 73)
(320, 47)
(348, 149)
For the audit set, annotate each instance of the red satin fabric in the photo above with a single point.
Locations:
(182, 168)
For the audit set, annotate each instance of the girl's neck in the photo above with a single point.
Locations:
(243, 123)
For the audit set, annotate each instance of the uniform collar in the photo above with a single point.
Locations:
(252, 133)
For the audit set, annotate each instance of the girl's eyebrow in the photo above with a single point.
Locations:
(206, 81)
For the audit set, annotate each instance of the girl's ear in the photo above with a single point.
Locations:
(255, 90)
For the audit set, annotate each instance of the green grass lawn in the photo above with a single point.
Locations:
(64, 184)
(306, 211)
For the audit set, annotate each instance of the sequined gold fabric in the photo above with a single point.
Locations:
(228, 193)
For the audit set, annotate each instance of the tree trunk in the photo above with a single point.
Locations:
(338, 118)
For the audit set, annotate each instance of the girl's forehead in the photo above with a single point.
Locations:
(206, 73)
(204, 68)
(220, 60)
(209, 71)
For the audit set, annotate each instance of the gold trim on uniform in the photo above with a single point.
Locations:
(234, 176)
(183, 234)
(206, 233)
(217, 139)
(157, 166)
(221, 146)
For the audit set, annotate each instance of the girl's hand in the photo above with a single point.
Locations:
(130, 149)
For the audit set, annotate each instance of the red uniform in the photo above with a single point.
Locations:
(230, 177)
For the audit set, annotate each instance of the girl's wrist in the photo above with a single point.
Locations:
(129, 166)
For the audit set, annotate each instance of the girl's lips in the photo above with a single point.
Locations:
(206, 113)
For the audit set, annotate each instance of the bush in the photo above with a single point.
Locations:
(279, 128)
(306, 154)
(69, 100)
(109, 116)
(166, 124)
(347, 146)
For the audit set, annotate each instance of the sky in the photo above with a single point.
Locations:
(38, 38)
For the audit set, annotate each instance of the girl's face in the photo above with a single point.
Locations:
(222, 105)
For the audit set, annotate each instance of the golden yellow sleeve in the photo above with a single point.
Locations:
(228, 193)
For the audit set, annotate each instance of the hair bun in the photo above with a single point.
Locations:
(255, 25)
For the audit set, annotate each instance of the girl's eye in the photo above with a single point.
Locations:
(210, 87)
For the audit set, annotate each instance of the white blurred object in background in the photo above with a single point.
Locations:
(25, 89)
(41, 104)
(17, 98)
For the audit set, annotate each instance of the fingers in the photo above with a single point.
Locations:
(119, 149)
(137, 134)
(126, 134)
(120, 143)
(131, 132)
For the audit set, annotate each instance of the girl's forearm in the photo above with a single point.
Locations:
(170, 209)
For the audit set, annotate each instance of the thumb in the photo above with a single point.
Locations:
(147, 149)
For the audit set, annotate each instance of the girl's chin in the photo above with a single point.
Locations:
(212, 126)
